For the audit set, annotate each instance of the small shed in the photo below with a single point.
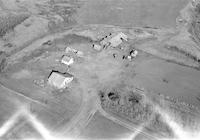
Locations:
(105, 41)
(59, 80)
(79, 53)
(68, 49)
(67, 60)
(133, 53)
(97, 47)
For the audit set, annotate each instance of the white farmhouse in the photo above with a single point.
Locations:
(59, 80)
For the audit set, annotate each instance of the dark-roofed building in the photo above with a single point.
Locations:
(59, 80)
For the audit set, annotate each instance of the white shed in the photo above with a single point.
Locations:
(67, 60)
(134, 53)
(97, 47)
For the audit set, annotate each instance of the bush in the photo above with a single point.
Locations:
(134, 98)
(197, 8)
(113, 96)
(128, 105)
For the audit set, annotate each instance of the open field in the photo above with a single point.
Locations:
(50, 107)
(8, 105)
(102, 128)
(169, 79)
(130, 13)
(23, 130)
(58, 106)
(113, 95)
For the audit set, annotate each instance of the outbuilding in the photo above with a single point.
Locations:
(68, 49)
(133, 53)
(118, 39)
(97, 47)
(79, 54)
(67, 60)
(59, 80)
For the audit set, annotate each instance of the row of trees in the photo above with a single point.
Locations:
(8, 22)
(3, 61)
(131, 106)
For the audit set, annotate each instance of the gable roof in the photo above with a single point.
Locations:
(66, 58)
(57, 79)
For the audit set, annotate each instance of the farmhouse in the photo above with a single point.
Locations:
(59, 80)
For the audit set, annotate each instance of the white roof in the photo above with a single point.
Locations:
(58, 79)
(97, 47)
(122, 35)
(68, 49)
(66, 58)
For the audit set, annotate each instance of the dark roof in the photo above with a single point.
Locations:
(66, 74)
